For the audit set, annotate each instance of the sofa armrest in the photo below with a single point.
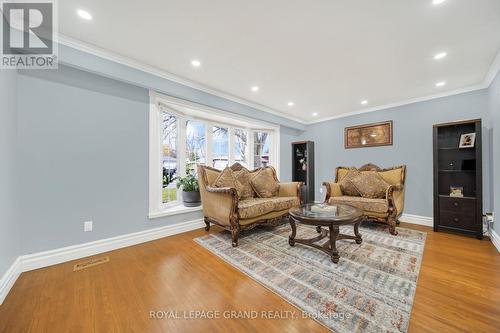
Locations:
(332, 190)
(290, 189)
(395, 197)
(220, 204)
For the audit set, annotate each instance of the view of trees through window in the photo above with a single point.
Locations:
(225, 145)
(169, 157)
(220, 147)
(261, 149)
(240, 147)
(195, 145)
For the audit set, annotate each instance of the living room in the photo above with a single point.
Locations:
(266, 166)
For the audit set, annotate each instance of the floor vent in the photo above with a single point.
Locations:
(90, 263)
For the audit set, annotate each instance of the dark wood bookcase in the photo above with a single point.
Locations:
(304, 172)
(458, 168)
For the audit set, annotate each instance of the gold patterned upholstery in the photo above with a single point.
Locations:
(387, 209)
(366, 204)
(370, 185)
(259, 206)
(237, 210)
(264, 183)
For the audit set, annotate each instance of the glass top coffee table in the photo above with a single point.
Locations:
(330, 217)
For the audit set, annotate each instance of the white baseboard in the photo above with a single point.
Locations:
(9, 278)
(417, 219)
(32, 261)
(495, 239)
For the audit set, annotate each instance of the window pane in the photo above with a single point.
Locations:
(169, 158)
(195, 145)
(241, 146)
(261, 142)
(220, 147)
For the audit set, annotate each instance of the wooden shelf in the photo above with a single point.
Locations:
(458, 167)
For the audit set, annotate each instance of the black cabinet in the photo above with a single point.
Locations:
(458, 177)
(303, 168)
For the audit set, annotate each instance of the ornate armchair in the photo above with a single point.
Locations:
(387, 209)
(224, 207)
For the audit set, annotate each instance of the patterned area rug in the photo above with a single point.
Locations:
(371, 289)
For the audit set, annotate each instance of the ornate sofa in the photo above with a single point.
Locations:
(386, 208)
(225, 207)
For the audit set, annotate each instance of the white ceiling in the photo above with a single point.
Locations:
(324, 55)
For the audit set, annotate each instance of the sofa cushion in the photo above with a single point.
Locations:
(259, 206)
(370, 185)
(347, 186)
(227, 178)
(264, 183)
(366, 204)
(243, 176)
(392, 176)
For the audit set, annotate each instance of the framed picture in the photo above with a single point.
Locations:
(467, 140)
(456, 191)
(369, 135)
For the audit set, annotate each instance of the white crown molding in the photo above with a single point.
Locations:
(33, 261)
(495, 239)
(493, 71)
(401, 103)
(417, 219)
(106, 54)
(9, 278)
(109, 55)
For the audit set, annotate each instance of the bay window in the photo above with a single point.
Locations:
(185, 134)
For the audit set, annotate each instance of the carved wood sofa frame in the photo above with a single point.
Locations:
(393, 214)
(234, 226)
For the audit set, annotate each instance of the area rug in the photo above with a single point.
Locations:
(371, 289)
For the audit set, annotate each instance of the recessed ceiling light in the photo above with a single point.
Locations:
(196, 63)
(440, 84)
(291, 103)
(437, 2)
(364, 102)
(440, 55)
(84, 14)
(315, 114)
(255, 88)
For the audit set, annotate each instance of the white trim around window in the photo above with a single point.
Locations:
(183, 111)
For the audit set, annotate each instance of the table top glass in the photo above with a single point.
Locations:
(324, 211)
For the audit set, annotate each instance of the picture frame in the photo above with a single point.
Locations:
(467, 140)
(369, 135)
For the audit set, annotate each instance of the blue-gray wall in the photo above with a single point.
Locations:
(9, 226)
(412, 144)
(494, 104)
(83, 155)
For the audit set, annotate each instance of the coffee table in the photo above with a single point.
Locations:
(330, 216)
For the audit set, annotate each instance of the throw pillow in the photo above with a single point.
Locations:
(370, 185)
(346, 186)
(243, 176)
(264, 183)
(227, 178)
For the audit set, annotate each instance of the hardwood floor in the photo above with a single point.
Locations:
(458, 291)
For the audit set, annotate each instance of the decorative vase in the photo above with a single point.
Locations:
(191, 199)
(304, 167)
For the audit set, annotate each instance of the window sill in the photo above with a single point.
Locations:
(179, 209)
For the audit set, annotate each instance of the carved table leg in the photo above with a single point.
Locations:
(291, 238)
(356, 232)
(318, 229)
(334, 233)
